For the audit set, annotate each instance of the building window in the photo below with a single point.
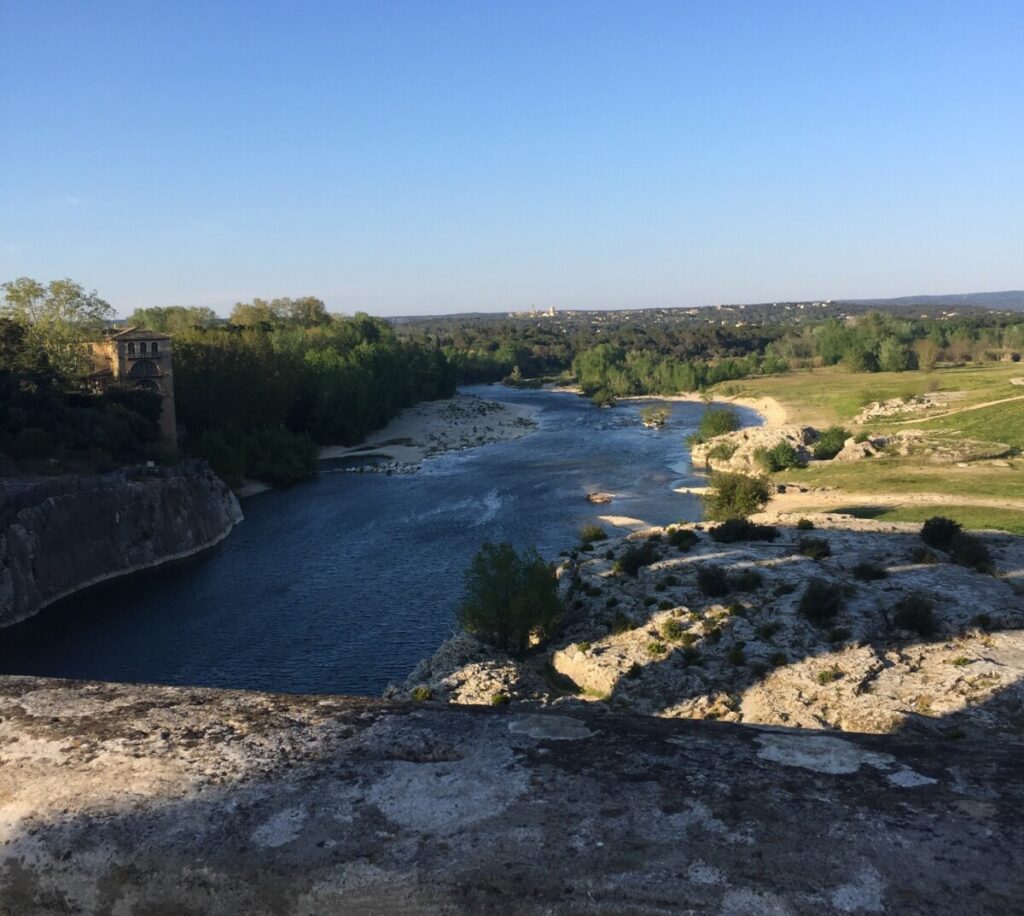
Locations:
(153, 348)
(144, 368)
(131, 348)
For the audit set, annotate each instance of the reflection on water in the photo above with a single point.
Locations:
(342, 584)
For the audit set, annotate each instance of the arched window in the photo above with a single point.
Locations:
(144, 368)
(153, 348)
(131, 348)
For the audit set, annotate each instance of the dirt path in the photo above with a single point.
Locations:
(953, 413)
(825, 500)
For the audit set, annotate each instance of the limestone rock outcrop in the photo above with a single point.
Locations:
(61, 535)
(736, 451)
(120, 798)
(855, 626)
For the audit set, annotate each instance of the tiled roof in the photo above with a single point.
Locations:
(139, 334)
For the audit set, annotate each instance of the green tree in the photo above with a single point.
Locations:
(735, 496)
(509, 597)
(60, 319)
(893, 356)
(173, 319)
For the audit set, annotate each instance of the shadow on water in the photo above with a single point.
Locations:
(343, 584)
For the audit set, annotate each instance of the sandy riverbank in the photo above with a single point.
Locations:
(773, 412)
(434, 427)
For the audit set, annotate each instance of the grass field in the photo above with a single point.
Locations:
(1011, 520)
(823, 397)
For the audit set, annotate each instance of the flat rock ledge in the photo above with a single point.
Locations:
(140, 799)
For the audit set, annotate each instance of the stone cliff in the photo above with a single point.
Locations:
(133, 799)
(58, 536)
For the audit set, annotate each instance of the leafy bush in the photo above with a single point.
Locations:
(821, 601)
(655, 648)
(712, 581)
(673, 629)
(591, 533)
(32, 442)
(736, 656)
(746, 580)
(829, 676)
(683, 538)
(634, 557)
(939, 531)
(740, 529)
(735, 496)
(815, 548)
(780, 457)
(869, 572)
(722, 451)
(913, 612)
(830, 443)
(500, 699)
(924, 556)
(509, 597)
(968, 550)
(421, 694)
(621, 624)
(716, 421)
(804, 524)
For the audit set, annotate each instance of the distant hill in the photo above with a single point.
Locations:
(1009, 299)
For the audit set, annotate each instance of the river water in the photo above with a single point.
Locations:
(342, 584)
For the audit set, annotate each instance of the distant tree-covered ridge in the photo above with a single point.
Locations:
(663, 351)
(254, 394)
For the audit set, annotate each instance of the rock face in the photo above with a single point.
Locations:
(896, 636)
(735, 451)
(64, 534)
(132, 799)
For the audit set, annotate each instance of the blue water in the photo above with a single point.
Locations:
(344, 583)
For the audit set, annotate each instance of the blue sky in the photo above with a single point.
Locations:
(426, 157)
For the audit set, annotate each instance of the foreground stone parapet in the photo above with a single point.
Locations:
(129, 799)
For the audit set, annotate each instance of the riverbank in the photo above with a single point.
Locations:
(64, 534)
(435, 427)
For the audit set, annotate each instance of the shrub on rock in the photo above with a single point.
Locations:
(509, 597)
(780, 457)
(741, 529)
(830, 443)
(967, 550)
(735, 496)
(713, 581)
(635, 557)
(939, 531)
(815, 548)
(913, 612)
(821, 601)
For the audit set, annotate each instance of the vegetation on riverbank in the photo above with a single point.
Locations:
(978, 490)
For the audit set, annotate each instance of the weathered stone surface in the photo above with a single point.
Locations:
(128, 799)
(742, 444)
(657, 644)
(62, 535)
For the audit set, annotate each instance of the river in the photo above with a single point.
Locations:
(343, 583)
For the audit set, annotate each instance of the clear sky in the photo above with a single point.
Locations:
(431, 156)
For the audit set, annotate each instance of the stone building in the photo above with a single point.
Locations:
(138, 358)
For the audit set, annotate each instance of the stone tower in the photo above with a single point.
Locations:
(137, 358)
